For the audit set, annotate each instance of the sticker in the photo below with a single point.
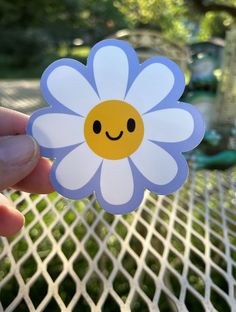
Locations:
(115, 127)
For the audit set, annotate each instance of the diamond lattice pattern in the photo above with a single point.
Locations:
(174, 253)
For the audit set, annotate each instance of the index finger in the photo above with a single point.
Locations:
(12, 122)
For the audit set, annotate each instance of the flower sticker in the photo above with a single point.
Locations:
(115, 127)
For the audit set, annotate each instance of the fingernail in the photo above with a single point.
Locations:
(17, 150)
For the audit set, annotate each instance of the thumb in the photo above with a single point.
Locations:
(18, 157)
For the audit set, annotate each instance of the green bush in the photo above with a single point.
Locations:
(22, 48)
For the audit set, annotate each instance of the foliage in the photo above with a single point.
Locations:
(31, 31)
(212, 17)
(181, 20)
(64, 19)
(214, 25)
(167, 16)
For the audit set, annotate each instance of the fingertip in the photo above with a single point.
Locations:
(11, 220)
(38, 181)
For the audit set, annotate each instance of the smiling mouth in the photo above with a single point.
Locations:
(114, 138)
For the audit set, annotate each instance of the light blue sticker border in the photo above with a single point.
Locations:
(170, 101)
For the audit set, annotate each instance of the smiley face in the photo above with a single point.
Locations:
(114, 129)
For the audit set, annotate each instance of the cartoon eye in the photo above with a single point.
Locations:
(97, 127)
(131, 125)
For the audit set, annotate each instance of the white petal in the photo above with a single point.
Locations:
(168, 125)
(77, 168)
(150, 87)
(111, 71)
(117, 185)
(155, 163)
(72, 89)
(58, 130)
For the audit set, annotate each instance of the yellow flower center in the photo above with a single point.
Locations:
(114, 129)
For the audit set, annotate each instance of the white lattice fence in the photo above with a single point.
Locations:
(174, 253)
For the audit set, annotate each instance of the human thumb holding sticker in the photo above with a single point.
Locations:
(20, 167)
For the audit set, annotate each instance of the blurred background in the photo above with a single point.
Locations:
(174, 253)
(34, 33)
(193, 33)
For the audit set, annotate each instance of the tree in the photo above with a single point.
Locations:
(181, 20)
(166, 16)
(215, 17)
(30, 28)
(203, 6)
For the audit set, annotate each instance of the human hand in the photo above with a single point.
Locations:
(20, 167)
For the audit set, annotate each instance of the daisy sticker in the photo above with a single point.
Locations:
(115, 127)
